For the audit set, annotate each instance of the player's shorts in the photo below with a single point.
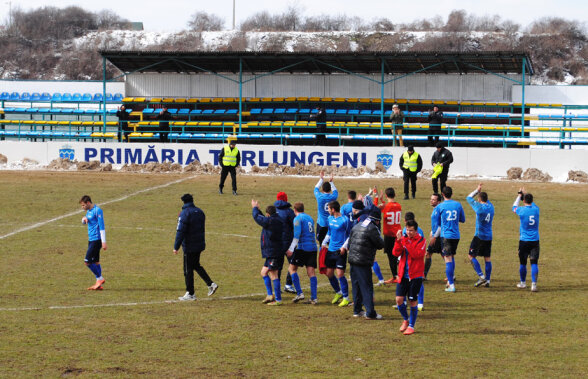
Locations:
(449, 247)
(321, 233)
(274, 263)
(389, 244)
(480, 248)
(303, 258)
(528, 249)
(335, 260)
(409, 288)
(436, 247)
(93, 253)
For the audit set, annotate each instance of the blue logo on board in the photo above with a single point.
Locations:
(67, 152)
(386, 158)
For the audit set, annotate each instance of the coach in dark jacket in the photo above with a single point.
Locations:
(435, 120)
(285, 212)
(164, 116)
(365, 239)
(123, 118)
(271, 250)
(443, 157)
(190, 235)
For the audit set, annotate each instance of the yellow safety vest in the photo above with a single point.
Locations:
(410, 161)
(230, 156)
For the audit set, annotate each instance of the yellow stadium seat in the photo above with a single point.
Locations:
(135, 134)
(254, 99)
(451, 102)
(278, 99)
(314, 99)
(192, 100)
(204, 100)
(491, 104)
(180, 100)
(302, 99)
(503, 104)
(266, 99)
(204, 123)
(110, 135)
(175, 123)
(426, 101)
(326, 99)
(216, 100)
(144, 123)
(352, 100)
(148, 134)
(264, 123)
(28, 122)
(96, 134)
(289, 123)
(139, 100)
(229, 99)
(412, 101)
(167, 100)
(290, 99)
(192, 123)
(364, 100)
(252, 123)
(478, 103)
(127, 100)
(155, 100)
(216, 123)
(245, 113)
(402, 101)
(466, 103)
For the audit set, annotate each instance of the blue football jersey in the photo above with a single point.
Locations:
(338, 232)
(304, 232)
(95, 223)
(484, 217)
(322, 199)
(529, 215)
(435, 219)
(347, 210)
(419, 231)
(450, 215)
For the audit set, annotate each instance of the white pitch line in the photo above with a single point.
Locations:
(132, 304)
(42, 223)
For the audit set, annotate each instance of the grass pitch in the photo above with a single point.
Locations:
(51, 326)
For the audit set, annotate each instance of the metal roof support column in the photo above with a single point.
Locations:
(523, 99)
(104, 95)
(240, 93)
(382, 99)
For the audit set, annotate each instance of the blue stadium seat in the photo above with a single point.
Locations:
(55, 110)
(388, 113)
(208, 111)
(4, 96)
(15, 96)
(25, 96)
(304, 111)
(117, 97)
(36, 96)
(376, 112)
(148, 111)
(353, 112)
(77, 97)
(56, 97)
(111, 111)
(255, 111)
(267, 111)
(78, 111)
(86, 97)
(330, 111)
(219, 111)
(32, 110)
(341, 111)
(92, 111)
(45, 96)
(279, 110)
(109, 97)
(8, 110)
(365, 112)
(195, 111)
(232, 111)
(183, 111)
(172, 111)
(292, 111)
(44, 110)
(97, 97)
(20, 110)
(66, 97)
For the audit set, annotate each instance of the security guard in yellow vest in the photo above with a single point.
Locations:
(411, 164)
(228, 159)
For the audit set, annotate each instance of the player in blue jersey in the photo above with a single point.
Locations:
(529, 237)
(336, 258)
(482, 243)
(302, 252)
(347, 208)
(329, 193)
(450, 215)
(434, 245)
(94, 218)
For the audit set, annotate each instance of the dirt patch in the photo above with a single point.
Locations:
(92, 165)
(314, 170)
(514, 173)
(3, 159)
(578, 176)
(61, 164)
(197, 168)
(29, 162)
(536, 175)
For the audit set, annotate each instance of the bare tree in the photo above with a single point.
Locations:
(205, 22)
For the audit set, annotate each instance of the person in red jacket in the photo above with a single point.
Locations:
(411, 268)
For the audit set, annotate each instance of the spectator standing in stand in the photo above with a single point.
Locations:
(435, 120)
(397, 119)
(163, 117)
(321, 125)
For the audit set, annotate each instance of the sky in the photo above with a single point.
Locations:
(173, 15)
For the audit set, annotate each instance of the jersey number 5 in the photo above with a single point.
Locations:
(531, 220)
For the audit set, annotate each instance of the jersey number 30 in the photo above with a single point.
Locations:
(393, 218)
